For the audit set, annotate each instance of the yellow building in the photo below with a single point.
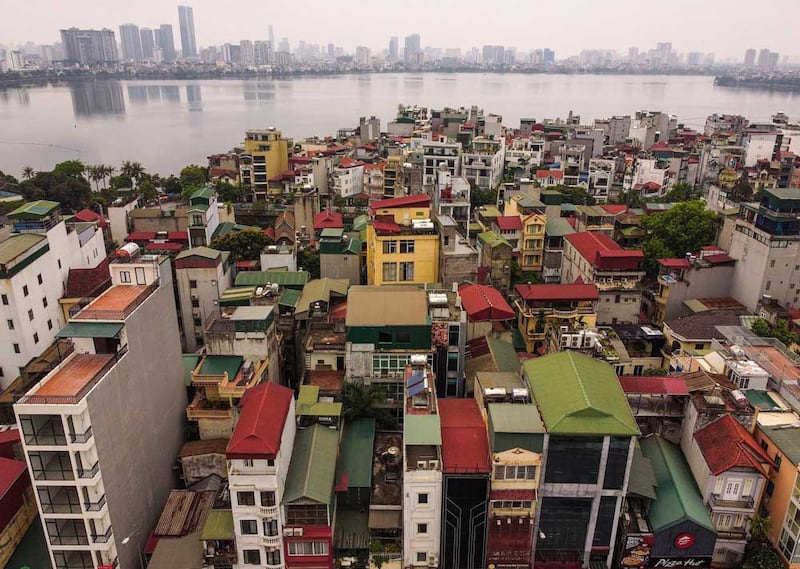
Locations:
(532, 237)
(402, 243)
(265, 156)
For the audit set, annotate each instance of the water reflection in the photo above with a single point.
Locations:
(23, 97)
(93, 98)
(258, 91)
(144, 94)
(195, 97)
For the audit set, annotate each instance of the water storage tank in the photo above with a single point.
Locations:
(128, 250)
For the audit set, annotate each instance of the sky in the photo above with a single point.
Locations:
(726, 27)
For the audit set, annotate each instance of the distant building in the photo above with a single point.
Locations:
(166, 41)
(186, 22)
(413, 49)
(89, 47)
(148, 41)
(265, 156)
(131, 42)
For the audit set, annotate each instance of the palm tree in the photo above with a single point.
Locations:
(132, 170)
(108, 171)
(95, 174)
(28, 172)
(361, 400)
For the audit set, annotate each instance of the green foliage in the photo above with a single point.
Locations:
(227, 192)
(479, 197)
(519, 276)
(120, 182)
(762, 558)
(70, 169)
(309, 260)
(147, 189)
(132, 170)
(171, 185)
(360, 401)
(759, 528)
(244, 245)
(9, 180)
(575, 195)
(192, 177)
(27, 172)
(65, 184)
(780, 331)
(684, 228)
(761, 327)
(679, 193)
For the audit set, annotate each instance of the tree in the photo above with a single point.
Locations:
(245, 245)
(107, 171)
(192, 177)
(360, 401)
(519, 276)
(65, 184)
(309, 260)
(227, 192)
(171, 185)
(682, 229)
(576, 195)
(780, 331)
(759, 528)
(95, 174)
(28, 172)
(479, 197)
(132, 170)
(760, 327)
(147, 190)
(70, 169)
(762, 558)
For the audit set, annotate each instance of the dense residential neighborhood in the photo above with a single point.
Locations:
(445, 342)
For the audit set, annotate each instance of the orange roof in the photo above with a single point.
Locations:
(115, 302)
(75, 375)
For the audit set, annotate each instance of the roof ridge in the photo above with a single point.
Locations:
(580, 383)
(314, 431)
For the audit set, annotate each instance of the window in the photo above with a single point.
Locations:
(699, 347)
(389, 247)
(769, 284)
(273, 556)
(195, 303)
(39, 277)
(252, 557)
(616, 298)
(192, 284)
(421, 556)
(618, 449)
(422, 528)
(514, 472)
(778, 461)
(30, 314)
(197, 219)
(384, 337)
(407, 271)
(44, 302)
(308, 548)
(197, 321)
(267, 498)
(248, 461)
(270, 527)
(573, 460)
(311, 515)
(49, 324)
(25, 290)
(772, 263)
(406, 246)
(10, 324)
(422, 498)
(249, 527)
(246, 498)
(4, 298)
(36, 337)
(2, 373)
(390, 272)
(16, 348)
(59, 263)
(124, 276)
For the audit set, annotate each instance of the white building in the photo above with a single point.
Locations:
(601, 178)
(259, 454)
(347, 179)
(34, 264)
(89, 473)
(759, 146)
(483, 162)
(440, 152)
(451, 197)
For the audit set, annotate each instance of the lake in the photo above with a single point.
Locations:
(168, 124)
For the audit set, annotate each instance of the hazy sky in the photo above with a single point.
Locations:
(726, 27)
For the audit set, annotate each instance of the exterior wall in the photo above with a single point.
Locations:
(18, 509)
(425, 258)
(759, 146)
(619, 307)
(118, 220)
(416, 482)
(210, 283)
(710, 282)
(348, 182)
(459, 267)
(278, 260)
(532, 243)
(341, 266)
(195, 468)
(777, 504)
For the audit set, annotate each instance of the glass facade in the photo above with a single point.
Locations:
(573, 460)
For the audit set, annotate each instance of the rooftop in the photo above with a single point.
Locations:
(68, 383)
(313, 468)
(116, 303)
(725, 444)
(422, 430)
(354, 467)
(572, 292)
(386, 306)
(34, 209)
(653, 385)
(264, 412)
(603, 252)
(484, 303)
(421, 200)
(465, 446)
(579, 395)
(787, 439)
(701, 326)
(557, 227)
(10, 471)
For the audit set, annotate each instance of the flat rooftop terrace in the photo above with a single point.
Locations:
(116, 303)
(70, 382)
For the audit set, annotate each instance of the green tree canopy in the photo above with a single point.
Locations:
(192, 177)
(684, 228)
(575, 195)
(779, 331)
(762, 558)
(70, 169)
(309, 260)
(245, 245)
(65, 184)
(362, 401)
(479, 197)
(227, 192)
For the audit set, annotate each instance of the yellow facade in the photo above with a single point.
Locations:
(520, 458)
(270, 157)
(531, 246)
(408, 257)
(539, 326)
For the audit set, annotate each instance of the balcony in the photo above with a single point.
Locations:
(102, 538)
(738, 534)
(80, 438)
(95, 506)
(269, 511)
(88, 473)
(201, 408)
(743, 502)
(271, 540)
(277, 566)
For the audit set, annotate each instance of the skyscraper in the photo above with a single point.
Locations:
(131, 42)
(412, 48)
(89, 47)
(393, 48)
(188, 41)
(271, 36)
(247, 53)
(148, 42)
(750, 57)
(166, 41)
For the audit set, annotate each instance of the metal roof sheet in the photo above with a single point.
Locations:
(422, 430)
(90, 329)
(313, 467)
(355, 458)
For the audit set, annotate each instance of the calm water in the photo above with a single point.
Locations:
(168, 124)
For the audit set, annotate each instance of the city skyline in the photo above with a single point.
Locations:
(38, 21)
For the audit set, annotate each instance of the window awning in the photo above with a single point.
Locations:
(90, 330)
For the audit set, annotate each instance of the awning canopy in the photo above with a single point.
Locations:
(88, 329)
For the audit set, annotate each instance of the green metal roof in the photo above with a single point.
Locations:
(34, 209)
(204, 252)
(579, 395)
(88, 329)
(678, 496)
(219, 525)
(352, 246)
(283, 278)
(313, 467)
(289, 297)
(17, 245)
(308, 403)
(198, 207)
(505, 356)
(569, 207)
(189, 363)
(422, 430)
(642, 481)
(786, 439)
(761, 400)
(490, 211)
(360, 222)
(557, 227)
(202, 193)
(492, 239)
(218, 365)
(320, 290)
(514, 425)
(331, 233)
(355, 458)
(239, 296)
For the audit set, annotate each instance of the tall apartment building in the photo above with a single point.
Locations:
(131, 42)
(186, 22)
(89, 47)
(148, 41)
(265, 156)
(483, 162)
(99, 488)
(166, 41)
(435, 153)
(259, 454)
(34, 264)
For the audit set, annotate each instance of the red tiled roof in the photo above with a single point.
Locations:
(615, 208)
(484, 303)
(661, 385)
(10, 471)
(650, 186)
(89, 215)
(141, 236)
(379, 166)
(368, 147)
(404, 201)
(725, 444)
(682, 263)
(88, 282)
(557, 174)
(178, 236)
(386, 227)
(465, 447)
(508, 222)
(348, 162)
(557, 291)
(164, 246)
(247, 265)
(9, 436)
(718, 259)
(265, 409)
(328, 219)
(712, 248)
(603, 252)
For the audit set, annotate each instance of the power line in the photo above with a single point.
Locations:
(47, 144)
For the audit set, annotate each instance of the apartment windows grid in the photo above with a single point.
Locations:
(512, 504)
(308, 548)
(390, 272)
(252, 556)
(73, 560)
(406, 246)
(248, 527)
(389, 247)
(407, 271)
(245, 498)
(389, 365)
(514, 472)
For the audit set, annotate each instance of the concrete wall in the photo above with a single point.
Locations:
(207, 294)
(138, 415)
(340, 266)
(118, 219)
(619, 307)
(709, 282)
(196, 468)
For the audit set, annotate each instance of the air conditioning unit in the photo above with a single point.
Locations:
(422, 465)
(433, 465)
(565, 340)
(298, 531)
(288, 532)
(576, 341)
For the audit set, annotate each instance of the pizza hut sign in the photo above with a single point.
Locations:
(684, 541)
(675, 563)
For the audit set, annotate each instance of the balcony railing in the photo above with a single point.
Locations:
(90, 472)
(269, 511)
(95, 506)
(102, 538)
(733, 533)
(271, 540)
(744, 502)
(81, 437)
